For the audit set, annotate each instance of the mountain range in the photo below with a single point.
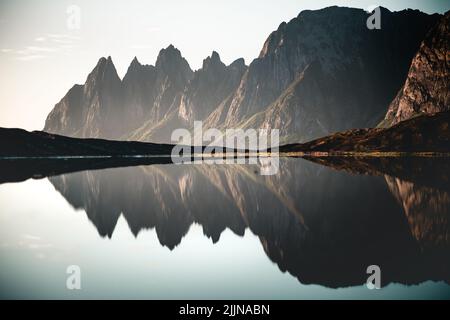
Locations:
(322, 72)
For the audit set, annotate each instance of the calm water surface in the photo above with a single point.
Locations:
(225, 231)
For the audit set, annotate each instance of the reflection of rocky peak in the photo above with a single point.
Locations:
(427, 210)
(426, 89)
(309, 223)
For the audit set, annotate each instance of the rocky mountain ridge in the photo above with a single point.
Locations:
(322, 72)
(426, 89)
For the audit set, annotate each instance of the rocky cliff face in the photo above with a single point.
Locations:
(149, 102)
(209, 87)
(322, 72)
(92, 109)
(107, 107)
(138, 90)
(325, 71)
(202, 95)
(173, 74)
(426, 89)
(66, 115)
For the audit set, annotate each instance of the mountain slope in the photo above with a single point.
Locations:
(324, 71)
(93, 109)
(426, 89)
(138, 90)
(203, 94)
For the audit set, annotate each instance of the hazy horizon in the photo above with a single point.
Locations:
(41, 58)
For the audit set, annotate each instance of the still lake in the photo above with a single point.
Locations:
(202, 231)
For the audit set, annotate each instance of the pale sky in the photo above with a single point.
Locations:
(42, 55)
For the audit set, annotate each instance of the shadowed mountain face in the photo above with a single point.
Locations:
(325, 71)
(321, 225)
(92, 110)
(426, 89)
(202, 95)
(150, 99)
(321, 72)
(106, 107)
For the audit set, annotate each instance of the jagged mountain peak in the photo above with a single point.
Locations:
(168, 54)
(134, 67)
(333, 11)
(105, 61)
(314, 25)
(102, 61)
(208, 88)
(213, 61)
(240, 62)
(171, 62)
(138, 74)
(215, 55)
(135, 61)
(103, 71)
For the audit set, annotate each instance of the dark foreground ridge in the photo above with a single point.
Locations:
(37, 154)
(21, 143)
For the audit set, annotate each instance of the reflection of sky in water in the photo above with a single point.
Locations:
(40, 235)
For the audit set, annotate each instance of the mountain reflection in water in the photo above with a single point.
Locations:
(322, 224)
